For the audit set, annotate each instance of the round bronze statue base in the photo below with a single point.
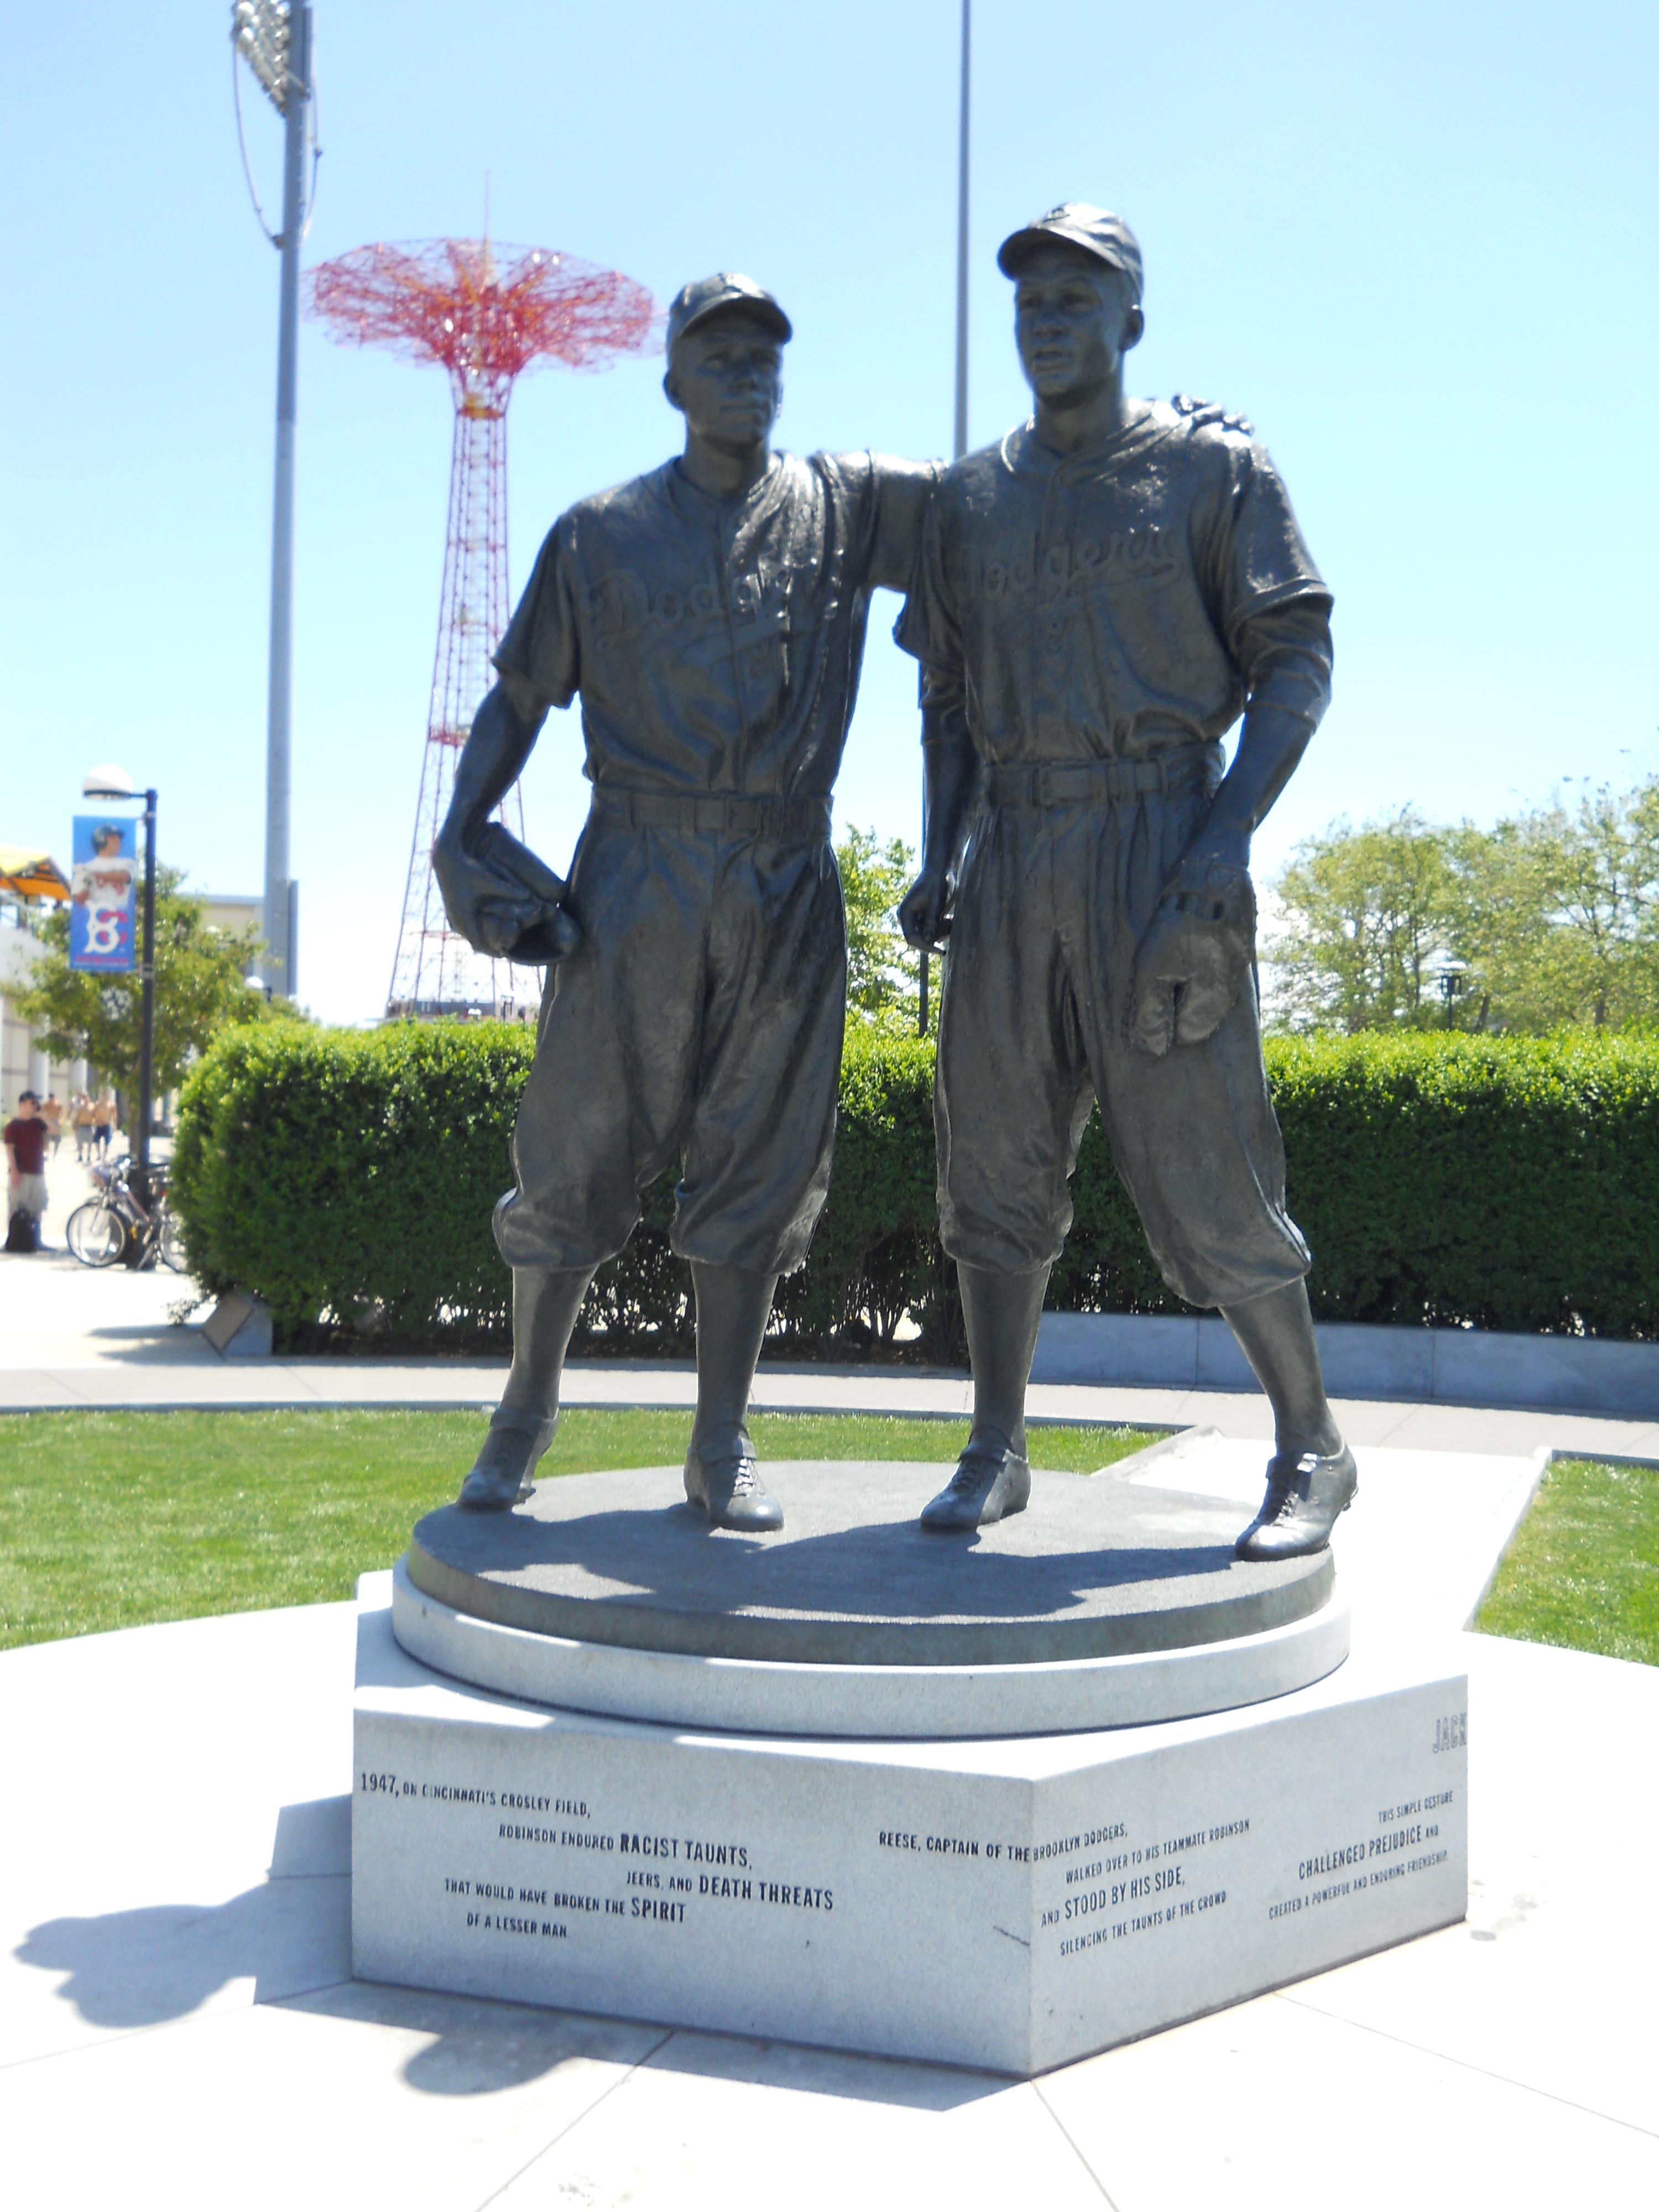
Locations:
(1102, 1605)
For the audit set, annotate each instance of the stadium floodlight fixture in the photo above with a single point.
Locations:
(260, 33)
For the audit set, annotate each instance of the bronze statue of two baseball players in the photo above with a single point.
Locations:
(1093, 600)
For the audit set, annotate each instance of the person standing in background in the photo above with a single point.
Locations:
(25, 1140)
(80, 1117)
(51, 1113)
(103, 1121)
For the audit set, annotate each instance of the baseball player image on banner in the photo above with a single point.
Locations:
(103, 894)
(1101, 594)
(711, 617)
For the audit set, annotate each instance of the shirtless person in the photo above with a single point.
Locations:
(712, 616)
(1101, 593)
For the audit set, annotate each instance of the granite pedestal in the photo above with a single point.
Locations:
(1102, 1605)
(1125, 1779)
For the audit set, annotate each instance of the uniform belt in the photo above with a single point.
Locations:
(1098, 782)
(716, 814)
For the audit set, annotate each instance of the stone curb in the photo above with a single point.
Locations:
(1423, 1366)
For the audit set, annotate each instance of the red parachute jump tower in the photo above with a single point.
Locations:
(486, 313)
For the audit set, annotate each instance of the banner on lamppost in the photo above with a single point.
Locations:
(103, 893)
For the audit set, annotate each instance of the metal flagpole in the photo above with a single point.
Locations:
(273, 37)
(959, 442)
(278, 905)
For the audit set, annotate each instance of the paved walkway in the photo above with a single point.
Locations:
(176, 1998)
(71, 1337)
(74, 1337)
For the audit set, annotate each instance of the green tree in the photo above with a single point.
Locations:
(883, 984)
(1562, 912)
(1549, 920)
(1369, 920)
(198, 990)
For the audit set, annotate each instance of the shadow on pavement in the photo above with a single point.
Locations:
(163, 1962)
(291, 1937)
(479, 2045)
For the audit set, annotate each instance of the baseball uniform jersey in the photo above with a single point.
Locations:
(1100, 620)
(715, 647)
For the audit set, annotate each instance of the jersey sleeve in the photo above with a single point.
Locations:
(1285, 653)
(929, 628)
(541, 644)
(1256, 557)
(903, 490)
(879, 503)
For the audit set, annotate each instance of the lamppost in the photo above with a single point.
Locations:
(116, 783)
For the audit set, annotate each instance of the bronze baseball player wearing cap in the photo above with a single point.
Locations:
(1100, 595)
(712, 616)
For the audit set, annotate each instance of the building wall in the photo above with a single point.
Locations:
(229, 910)
(23, 1068)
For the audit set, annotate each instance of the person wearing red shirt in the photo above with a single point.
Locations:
(25, 1139)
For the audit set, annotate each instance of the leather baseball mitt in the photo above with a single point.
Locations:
(1192, 962)
(527, 924)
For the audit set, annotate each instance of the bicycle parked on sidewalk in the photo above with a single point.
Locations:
(117, 1225)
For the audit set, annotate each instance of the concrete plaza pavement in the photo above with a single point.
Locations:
(178, 2018)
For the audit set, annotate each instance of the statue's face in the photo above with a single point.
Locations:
(1075, 320)
(727, 379)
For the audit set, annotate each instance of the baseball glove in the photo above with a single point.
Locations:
(526, 923)
(1192, 962)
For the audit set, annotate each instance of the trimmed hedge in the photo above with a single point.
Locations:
(349, 1176)
(1503, 1183)
(1441, 1180)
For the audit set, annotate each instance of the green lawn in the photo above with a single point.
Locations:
(1583, 1570)
(108, 1520)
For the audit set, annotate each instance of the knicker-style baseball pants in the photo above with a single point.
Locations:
(700, 1018)
(1055, 895)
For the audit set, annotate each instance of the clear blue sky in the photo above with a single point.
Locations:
(1415, 243)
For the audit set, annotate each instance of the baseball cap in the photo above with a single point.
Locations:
(1108, 237)
(695, 303)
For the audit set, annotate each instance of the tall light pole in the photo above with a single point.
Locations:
(960, 446)
(273, 37)
(959, 440)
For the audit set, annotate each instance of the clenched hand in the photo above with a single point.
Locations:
(924, 916)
